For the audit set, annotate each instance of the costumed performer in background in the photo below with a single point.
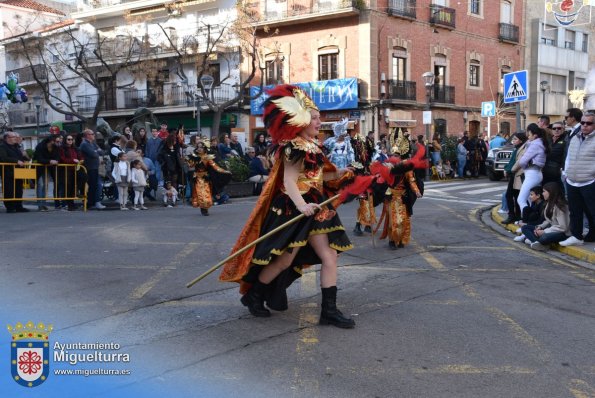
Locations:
(339, 146)
(400, 196)
(296, 185)
(209, 178)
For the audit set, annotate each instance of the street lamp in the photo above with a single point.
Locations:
(543, 85)
(206, 82)
(427, 119)
(37, 103)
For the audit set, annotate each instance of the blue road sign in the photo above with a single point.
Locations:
(516, 87)
(488, 109)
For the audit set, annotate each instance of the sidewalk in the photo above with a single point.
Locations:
(584, 253)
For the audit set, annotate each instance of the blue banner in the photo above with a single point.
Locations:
(328, 95)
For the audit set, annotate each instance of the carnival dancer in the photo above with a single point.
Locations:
(296, 185)
(209, 178)
(400, 196)
(339, 146)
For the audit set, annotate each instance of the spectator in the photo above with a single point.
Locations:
(236, 146)
(532, 162)
(420, 174)
(259, 169)
(580, 181)
(532, 214)
(497, 141)
(555, 227)
(543, 122)
(171, 163)
(482, 149)
(154, 145)
(260, 144)
(139, 182)
(552, 171)
(435, 149)
(47, 154)
(462, 154)
(122, 176)
(447, 169)
(141, 139)
(163, 132)
(66, 181)
(514, 172)
(382, 155)
(91, 152)
(127, 133)
(170, 196)
(151, 177)
(224, 148)
(12, 189)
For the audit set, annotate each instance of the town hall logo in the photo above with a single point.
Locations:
(29, 353)
(567, 13)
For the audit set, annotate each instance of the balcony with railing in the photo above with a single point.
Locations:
(297, 11)
(25, 74)
(509, 33)
(443, 94)
(402, 8)
(442, 16)
(401, 90)
(20, 117)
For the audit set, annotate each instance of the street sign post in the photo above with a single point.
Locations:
(488, 109)
(516, 90)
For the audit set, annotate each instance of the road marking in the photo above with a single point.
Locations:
(470, 247)
(470, 369)
(456, 200)
(453, 188)
(581, 389)
(143, 289)
(100, 266)
(484, 190)
(517, 330)
(306, 341)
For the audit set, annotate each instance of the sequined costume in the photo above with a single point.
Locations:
(281, 209)
(209, 179)
(397, 209)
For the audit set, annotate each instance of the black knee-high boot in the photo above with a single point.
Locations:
(330, 315)
(254, 300)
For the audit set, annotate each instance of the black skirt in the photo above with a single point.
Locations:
(282, 209)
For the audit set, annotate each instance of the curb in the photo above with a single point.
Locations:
(585, 254)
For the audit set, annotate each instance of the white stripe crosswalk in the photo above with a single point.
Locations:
(472, 192)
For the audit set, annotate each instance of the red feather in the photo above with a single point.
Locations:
(353, 190)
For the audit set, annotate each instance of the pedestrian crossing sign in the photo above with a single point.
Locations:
(516, 87)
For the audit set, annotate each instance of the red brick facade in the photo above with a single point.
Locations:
(368, 39)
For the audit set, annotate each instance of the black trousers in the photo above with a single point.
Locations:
(12, 190)
(92, 181)
(581, 200)
(512, 194)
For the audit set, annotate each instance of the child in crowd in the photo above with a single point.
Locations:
(139, 182)
(532, 214)
(170, 196)
(555, 228)
(122, 176)
(447, 169)
(440, 170)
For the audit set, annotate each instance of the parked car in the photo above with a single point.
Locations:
(497, 159)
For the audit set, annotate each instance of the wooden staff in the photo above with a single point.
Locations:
(249, 245)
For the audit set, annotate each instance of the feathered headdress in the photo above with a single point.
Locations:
(340, 128)
(287, 112)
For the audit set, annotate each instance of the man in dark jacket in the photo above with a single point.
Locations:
(91, 153)
(47, 153)
(11, 153)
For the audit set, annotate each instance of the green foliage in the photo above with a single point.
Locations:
(238, 167)
(30, 153)
(449, 148)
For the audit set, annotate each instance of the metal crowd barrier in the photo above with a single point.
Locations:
(66, 174)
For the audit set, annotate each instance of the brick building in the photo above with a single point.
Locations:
(387, 45)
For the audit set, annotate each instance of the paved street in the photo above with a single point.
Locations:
(462, 312)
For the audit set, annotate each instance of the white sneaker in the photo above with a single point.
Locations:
(123, 208)
(144, 208)
(99, 206)
(572, 241)
(170, 206)
(528, 242)
(503, 211)
(136, 208)
(538, 246)
(520, 238)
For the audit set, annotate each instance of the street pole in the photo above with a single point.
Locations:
(543, 102)
(197, 102)
(37, 103)
(429, 83)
